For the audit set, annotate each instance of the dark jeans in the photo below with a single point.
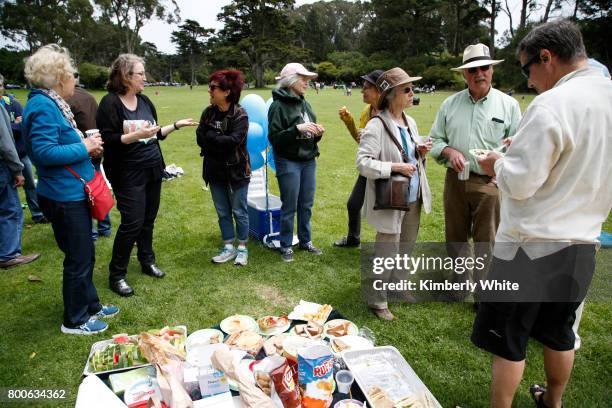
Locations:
(11, 215)
(137, 193)
(71, 222)
(297, 185)
(353, 205)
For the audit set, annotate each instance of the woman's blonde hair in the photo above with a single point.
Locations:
(48, 66)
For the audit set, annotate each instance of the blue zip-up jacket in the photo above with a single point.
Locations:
(52, 143)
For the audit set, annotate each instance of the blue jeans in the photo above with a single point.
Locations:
(11, 216)
(30, 188)
(104, 226)
(297, 185)
(71, 222)
(228, 203)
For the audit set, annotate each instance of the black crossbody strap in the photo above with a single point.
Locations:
(399, 146)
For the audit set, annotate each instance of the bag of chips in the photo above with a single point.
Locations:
(316, 376)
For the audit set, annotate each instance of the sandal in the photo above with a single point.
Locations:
(538, 399)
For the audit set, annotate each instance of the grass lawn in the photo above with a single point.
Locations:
(433, 337)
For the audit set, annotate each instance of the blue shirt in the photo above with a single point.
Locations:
(410, 149)
(51, 143)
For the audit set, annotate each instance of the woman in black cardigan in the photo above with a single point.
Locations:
(134, 165)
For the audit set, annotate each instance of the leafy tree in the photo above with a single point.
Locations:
(260, 32)
(191, 42)
(93, 76)
(131, 15)
(462, 24)
(327, 71)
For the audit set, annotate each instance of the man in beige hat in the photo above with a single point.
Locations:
(479, 117)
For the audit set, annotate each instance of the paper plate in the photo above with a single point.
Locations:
(353, 343)
(274, 330)
(351, 331)
(202, 337)
(236, 323)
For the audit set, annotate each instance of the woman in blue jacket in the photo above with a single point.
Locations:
(54, 142)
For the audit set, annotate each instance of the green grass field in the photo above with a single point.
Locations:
(433, 337)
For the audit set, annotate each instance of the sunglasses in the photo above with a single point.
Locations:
(525, 68)
(483, 68)
(76, 75)
(212, 87)
(408, 90)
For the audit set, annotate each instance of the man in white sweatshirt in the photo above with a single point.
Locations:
(555, 195)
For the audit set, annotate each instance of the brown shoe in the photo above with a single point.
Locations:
(19, 260)
(384, 314)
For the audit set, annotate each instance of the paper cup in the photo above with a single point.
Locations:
(91, 132)
(465, 174)
(344, 380)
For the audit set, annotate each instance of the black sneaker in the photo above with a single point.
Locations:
(347, 242)
(286, 254)
(311, 248)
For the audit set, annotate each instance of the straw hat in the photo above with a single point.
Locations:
(476, 55)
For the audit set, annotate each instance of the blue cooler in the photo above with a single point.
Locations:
(259, 221)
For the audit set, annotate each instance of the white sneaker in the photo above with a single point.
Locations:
(225, 255)
(242, 257)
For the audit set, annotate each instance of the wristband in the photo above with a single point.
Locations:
(175, 127)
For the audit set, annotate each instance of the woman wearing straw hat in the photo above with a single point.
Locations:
(294, 135)
(379, 157)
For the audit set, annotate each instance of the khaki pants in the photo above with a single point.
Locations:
(471, 210)
(388, 245)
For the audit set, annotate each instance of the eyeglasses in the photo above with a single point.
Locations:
(142, 74)
(525, 68)
(483, 68)
(76, 75)
(212, 87)
(408, 90)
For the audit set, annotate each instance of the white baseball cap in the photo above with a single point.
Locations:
(295, 68)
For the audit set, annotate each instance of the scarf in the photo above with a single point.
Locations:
(64, 108)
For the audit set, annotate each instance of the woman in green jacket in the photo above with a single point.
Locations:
(294, 134)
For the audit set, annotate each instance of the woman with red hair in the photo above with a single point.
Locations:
(222, 136)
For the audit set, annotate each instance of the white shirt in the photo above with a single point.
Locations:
(555, 180)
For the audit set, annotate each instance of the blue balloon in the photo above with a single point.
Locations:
(271, 161)
(257, 160)
(256, 141)
(256, 108)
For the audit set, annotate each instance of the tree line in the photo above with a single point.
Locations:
(339, 39)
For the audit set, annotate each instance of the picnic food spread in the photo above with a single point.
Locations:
(272, 362)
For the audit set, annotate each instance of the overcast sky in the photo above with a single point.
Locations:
(205, 13)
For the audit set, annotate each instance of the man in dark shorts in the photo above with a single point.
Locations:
(555, 196)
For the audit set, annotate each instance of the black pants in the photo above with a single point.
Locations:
(353, 205)
(71, 222)
(137, 193)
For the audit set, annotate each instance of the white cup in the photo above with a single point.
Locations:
(465, 174)
(91, 132)
(344, 379)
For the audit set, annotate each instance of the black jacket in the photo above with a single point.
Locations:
(224, 147)
(109, 119)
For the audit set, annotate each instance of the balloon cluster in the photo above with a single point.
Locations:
(257, 136)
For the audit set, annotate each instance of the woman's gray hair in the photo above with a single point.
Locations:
(561, 37)
(48, 66)
(288, 81)
(386, 101)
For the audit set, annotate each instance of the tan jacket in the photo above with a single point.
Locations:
(374, 157)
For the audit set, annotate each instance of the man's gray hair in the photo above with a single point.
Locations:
(561, 37)
(288, 82)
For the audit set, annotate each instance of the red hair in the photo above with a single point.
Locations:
(229, 79)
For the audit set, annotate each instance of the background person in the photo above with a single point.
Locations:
(53, 142)
(222, 136)
(134, 165)
(84, 107)
(478, 117)
(355, 202)
(15, 111)
(294, 136)
(378, 157)
(555, 190)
